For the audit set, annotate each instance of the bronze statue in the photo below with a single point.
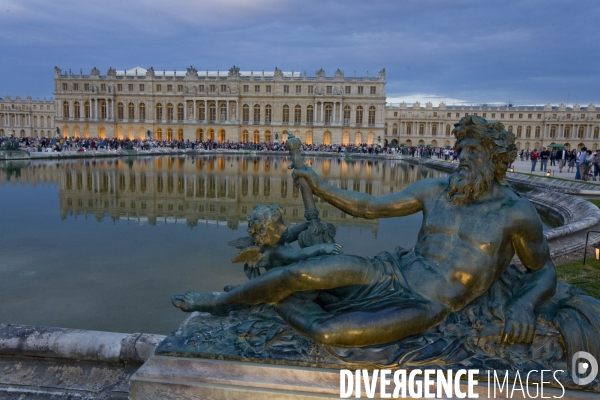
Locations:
(473, 224)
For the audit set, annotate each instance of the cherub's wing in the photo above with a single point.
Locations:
(242, 243)
(250, 255)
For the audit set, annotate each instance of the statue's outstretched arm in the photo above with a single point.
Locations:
(405, 202)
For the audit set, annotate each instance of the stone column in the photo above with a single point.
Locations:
(322, 107)
(205, 111)
(95, 108)
(71, 109)
(185, 107)
(195, 105)
(227, 111)
(334, 109)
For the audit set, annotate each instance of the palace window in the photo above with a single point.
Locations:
(180, 112)
(434, 129)
(581, 133)
(421, 129)
(298, 89)
(245, 113)
(130, 88)
(65, 86)
(212, 112)
(596, 132)
(537, 131)
(329, 89)
(346, 115)
(169, 112)
(360, 90)
(268, 89)
(201, 88)
(520, 116)
(268, 113)
(246, 88)
(311, 90)
(159, 88)
(142, 88)
(297, 115)
(130, 111)
(359, 115)
(201, 111)
(568, 116)
(582, 116)
(120, 111)
(223, 88)
(309, 114)
(511, 116)
(493, 115)
(142, 111)
(527, 132)
(256, 88)
(256, 113)
(409, 128)
(447, 130)
(120, 87)
(328, 114)
(529, 116)
(347, 89)
(180, 88)
(103, 110)
(212, 88)
(169, 88)
(519, 131)
(86, 110)
(553, 132)
(223, 111)
(286, 88)
(373, 89)
(159, 111)
(103, 87)
(76, 110)
(76, 86)
(539, 116)
(372, 115)
(286, 113)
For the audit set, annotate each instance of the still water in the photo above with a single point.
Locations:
(104, 244)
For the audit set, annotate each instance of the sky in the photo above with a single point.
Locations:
(525, 52)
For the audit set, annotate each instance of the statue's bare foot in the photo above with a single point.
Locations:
(206, 302)
(193, 301)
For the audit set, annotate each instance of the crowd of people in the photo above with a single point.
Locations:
(584, 163)
(95, 144)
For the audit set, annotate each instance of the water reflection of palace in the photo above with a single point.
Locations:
(220, 188)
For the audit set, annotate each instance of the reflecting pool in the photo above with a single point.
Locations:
(103, 244)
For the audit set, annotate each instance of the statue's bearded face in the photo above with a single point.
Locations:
(474, 175)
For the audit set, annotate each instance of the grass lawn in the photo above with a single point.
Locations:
(595, 202)
(586, 277)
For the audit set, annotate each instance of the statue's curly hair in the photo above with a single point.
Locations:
(499, 142)
(260, 219)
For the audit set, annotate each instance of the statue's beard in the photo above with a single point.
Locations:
(468, 184)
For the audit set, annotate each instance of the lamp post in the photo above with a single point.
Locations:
(597, 247)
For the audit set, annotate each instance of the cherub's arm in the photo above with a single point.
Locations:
(283, 255)
(294, 232)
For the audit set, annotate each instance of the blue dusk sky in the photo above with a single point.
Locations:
(459, 51)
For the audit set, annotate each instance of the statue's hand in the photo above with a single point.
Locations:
(520, 324)
(308, 174)
(330, 248)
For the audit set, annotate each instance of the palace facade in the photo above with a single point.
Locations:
(28, 117)
(535, 126)
(230, 106)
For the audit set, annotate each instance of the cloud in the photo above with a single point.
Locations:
(534, 51)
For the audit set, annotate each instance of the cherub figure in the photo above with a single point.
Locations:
(264, 247)
(266, 244)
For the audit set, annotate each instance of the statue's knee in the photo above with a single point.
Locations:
(320, 333)
(298, 274)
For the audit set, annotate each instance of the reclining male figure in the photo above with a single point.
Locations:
(473, 224)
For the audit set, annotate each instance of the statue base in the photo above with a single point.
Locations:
(252, 354)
